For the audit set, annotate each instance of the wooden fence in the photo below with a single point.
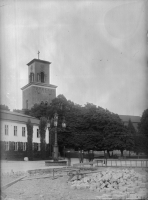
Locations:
(124, 163)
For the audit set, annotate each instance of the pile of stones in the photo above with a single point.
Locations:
(115, 184)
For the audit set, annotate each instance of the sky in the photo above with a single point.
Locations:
(98, 50)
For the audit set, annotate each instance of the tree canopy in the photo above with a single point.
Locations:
(143, 125)
(142, 136)
(4, 107)
(88, 126)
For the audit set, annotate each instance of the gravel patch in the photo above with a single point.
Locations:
(56, 189)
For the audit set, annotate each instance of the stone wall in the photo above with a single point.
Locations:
(36, 94)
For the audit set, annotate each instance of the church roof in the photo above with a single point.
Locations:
(39, 84)
(17, 117)
(126, 118)
(38, 60)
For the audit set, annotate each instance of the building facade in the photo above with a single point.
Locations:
(38, 90)
(14, 142)
(134, 119)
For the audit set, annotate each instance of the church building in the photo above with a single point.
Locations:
(38, 90)
(14, 140)
(14, 136)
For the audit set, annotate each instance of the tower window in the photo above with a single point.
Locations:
(31, 77)
(38, 77)
(46, 103)
(42, 77)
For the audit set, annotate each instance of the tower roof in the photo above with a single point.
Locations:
(38, 60)
(126, 118)
(39, 84)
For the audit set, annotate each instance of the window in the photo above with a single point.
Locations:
(15, 130)
(42, 77)
(26, 104)
(23, 131)
(38, 77)
(38, 133)
(38, 147)
(6, 146)
(31, 77)
(15, 146)
(6, 129)
(24, 146)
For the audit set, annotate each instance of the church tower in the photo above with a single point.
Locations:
(38, 90)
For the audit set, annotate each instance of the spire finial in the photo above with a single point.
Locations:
(38, 54)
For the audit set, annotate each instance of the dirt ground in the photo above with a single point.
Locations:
(44, 188)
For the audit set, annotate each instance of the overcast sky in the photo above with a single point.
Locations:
(98, 50)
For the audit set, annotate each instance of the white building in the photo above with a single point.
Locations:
(14, 135)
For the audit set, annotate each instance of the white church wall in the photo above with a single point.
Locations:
(35, 138)
(11, 137)
(19, 137)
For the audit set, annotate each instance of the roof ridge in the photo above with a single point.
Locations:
(38, 60)
(16, 113)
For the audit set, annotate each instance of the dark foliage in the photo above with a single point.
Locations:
(29, 139)
(88, 127)
(143, 125)
(4, 107)
(42, 127)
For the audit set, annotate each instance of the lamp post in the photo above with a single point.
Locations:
(55, 147)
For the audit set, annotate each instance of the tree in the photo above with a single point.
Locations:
(86, 125)
(143, 125)
(4, 107)
(142, 136)
(131, 128)
(38, 111)
(29, 139)
(42, 128)
(115, 137)
(132, 134)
